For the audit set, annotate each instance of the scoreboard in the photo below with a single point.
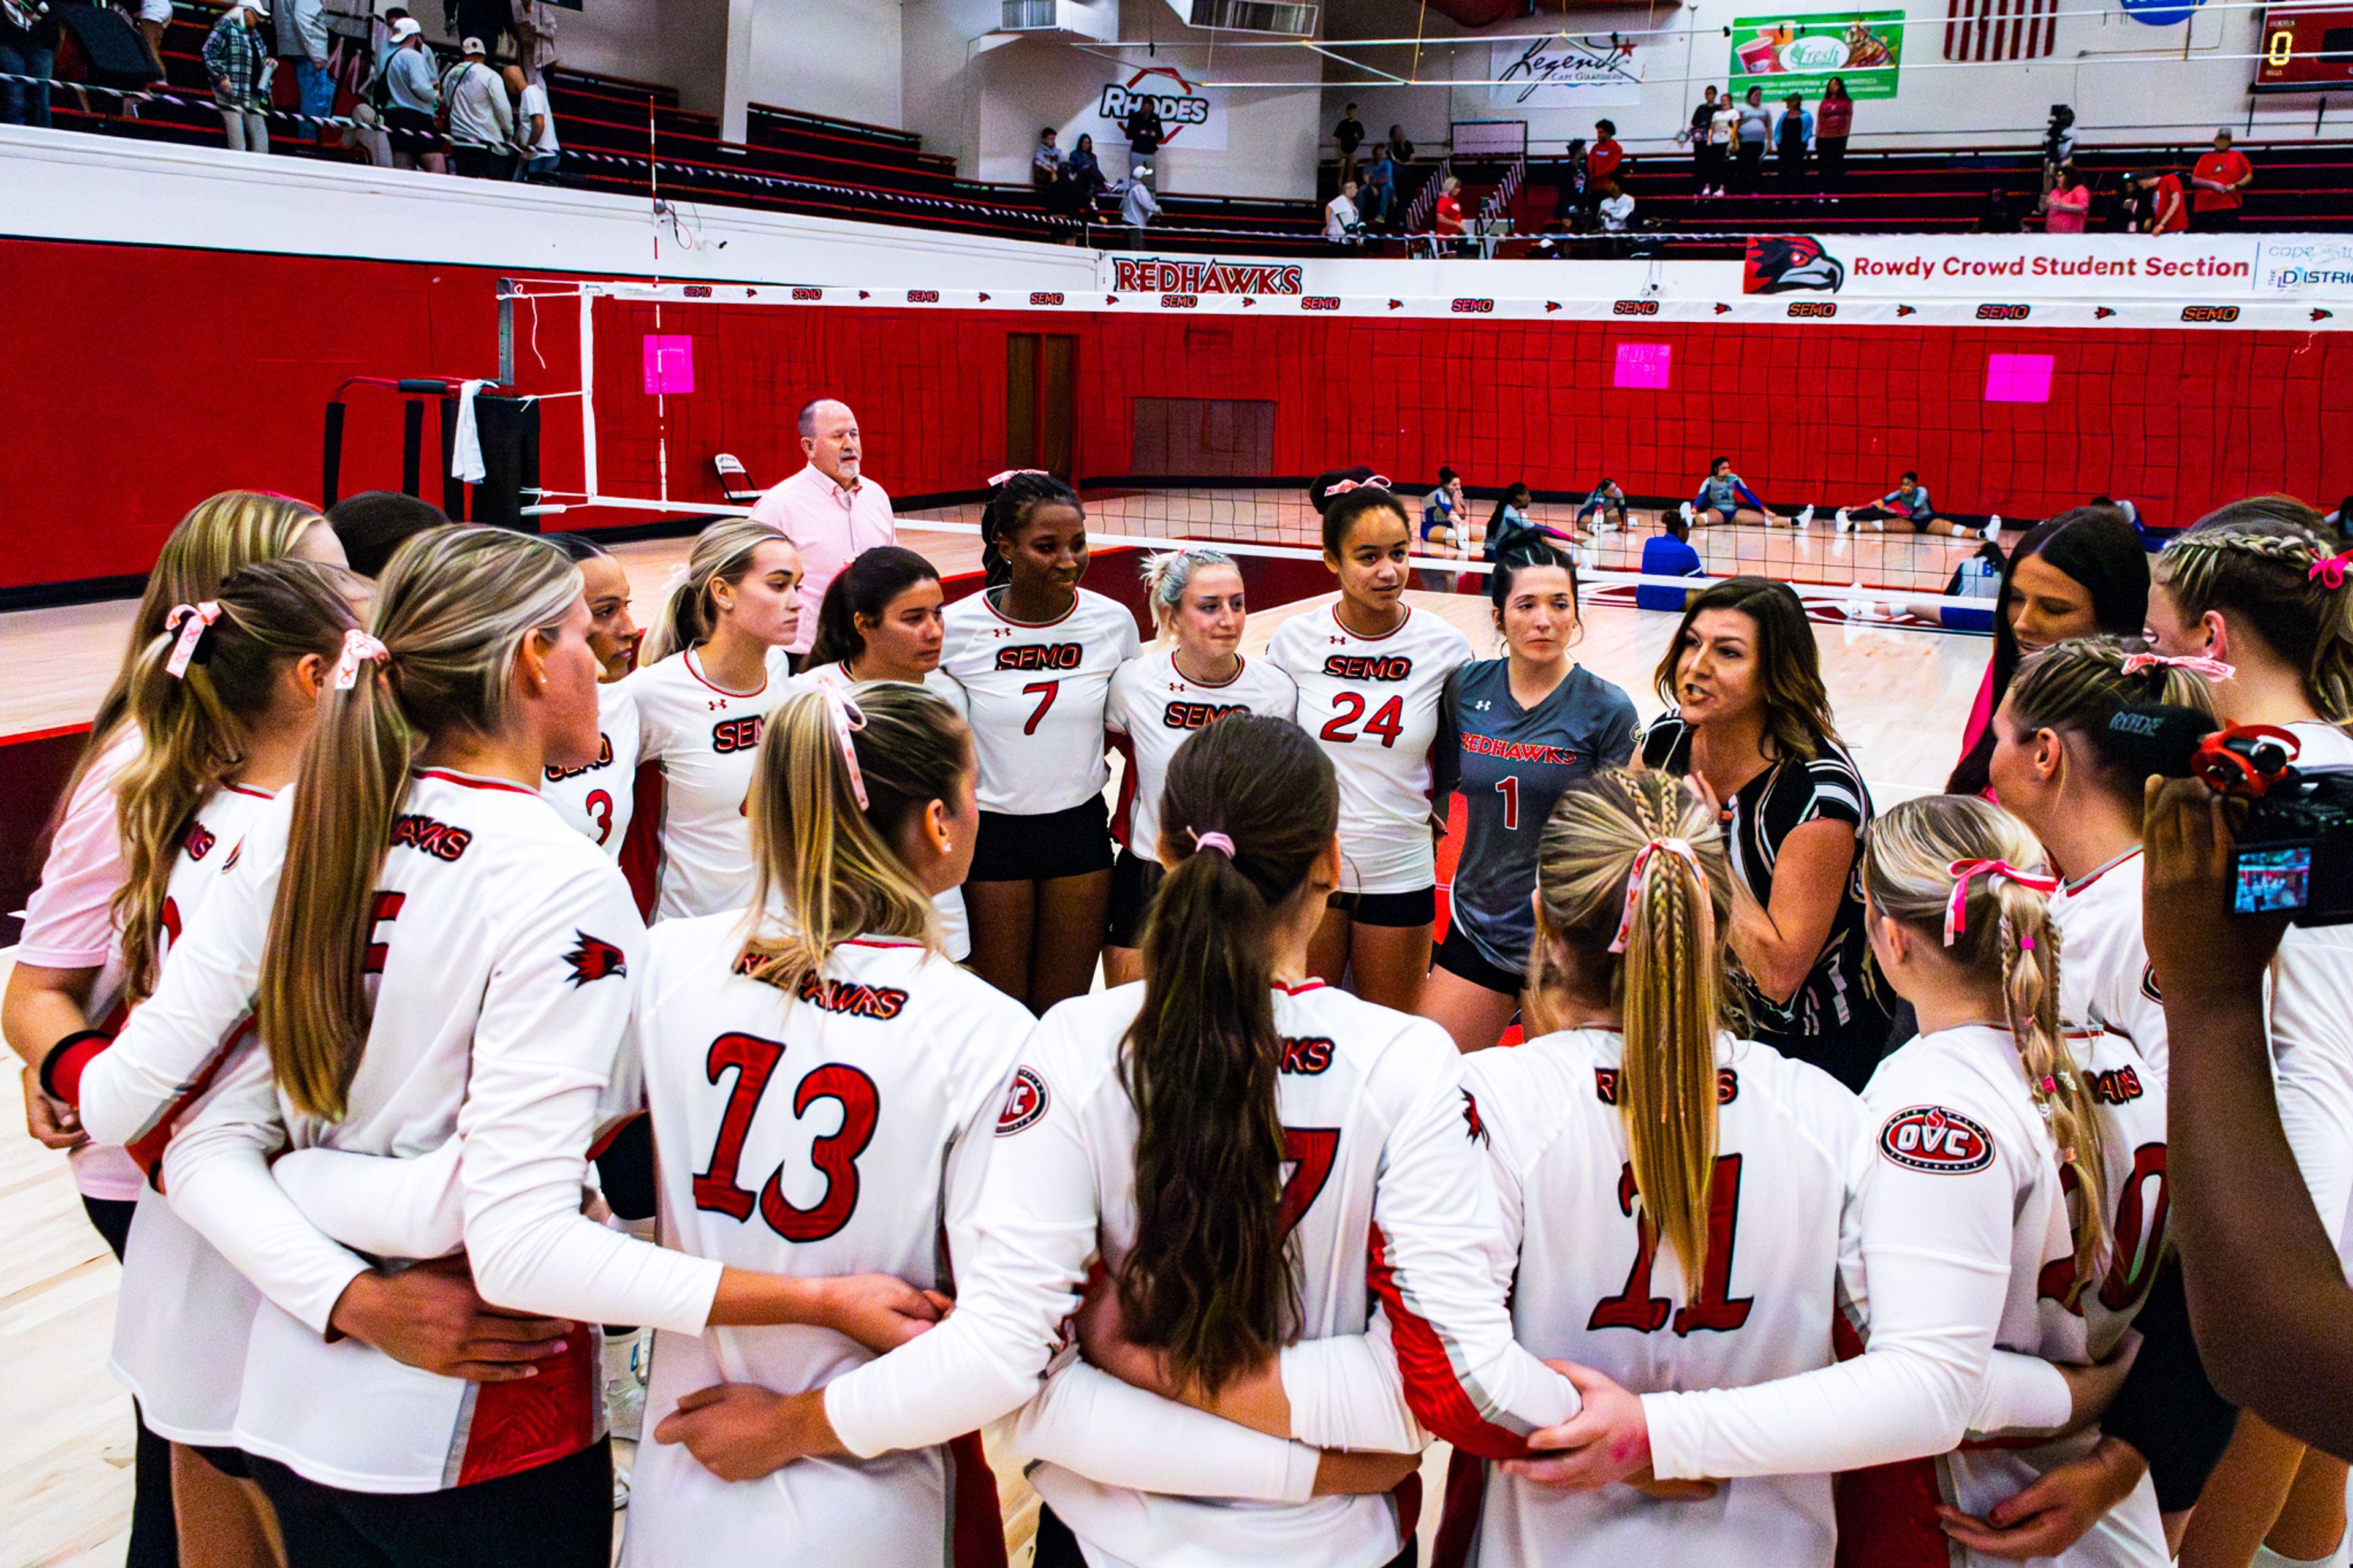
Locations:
(2305, 49)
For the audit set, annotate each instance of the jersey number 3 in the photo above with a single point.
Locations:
(835, 1155)
(1635, 1308)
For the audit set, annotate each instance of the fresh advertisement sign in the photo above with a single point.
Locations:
(1562, 72)
(1785, 54)
(1192, 117)
(1994, 266)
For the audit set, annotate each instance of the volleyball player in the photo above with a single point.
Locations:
(820, 1035)
(1371, 672)
(1035, 656)
(65, 979)
(1970, 1240)
(1675, 1195)
(1724, 496)
(710, 667)
(881, 621)
(1257, 1158)
(599, 798)
(425, 945)
(1513, 733)
(1160, 696)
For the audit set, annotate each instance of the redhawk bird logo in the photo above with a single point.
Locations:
(594, 959)
(1478, 1128)
(1777, 263)
(1720, 307)
(1550, 306)
(1907, 310)
(2101, 313)
(2322, 315)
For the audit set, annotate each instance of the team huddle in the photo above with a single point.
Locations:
(436, 933)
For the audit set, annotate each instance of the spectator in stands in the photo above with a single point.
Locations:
(830, 511)
(534, 37)
(1350, 134)
(372, 524)
(488, 20)
(1703, 161)
(2067, 207)
(1086, 173)
(363, 141)
(481, 123)
(1601, 160)
(536, 150)
(1136, 206)
(1605, 499)
(2169, 212)
(1343, 223)
(1833, 123)
(153, 19)
(1615, 208)
(1380, 192)
(1723, 132)
(1667, 553)
(235, 55)
(1446, 218)
(1045, 160)
(1791, 138)
(28, 47)
(1400, 150)
(1571, 204)
(2058, 144)
(1143, 129)
(412, 100)
(1756, 126)
(2220, 176)
(302, 37)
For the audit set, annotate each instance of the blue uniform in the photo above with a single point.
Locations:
(1510, 764)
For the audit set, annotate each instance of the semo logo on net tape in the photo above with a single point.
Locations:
(1164, 275)
(810, 295)
(1474, 307)
(1045, 298)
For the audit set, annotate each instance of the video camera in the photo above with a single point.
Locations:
(2295, 837)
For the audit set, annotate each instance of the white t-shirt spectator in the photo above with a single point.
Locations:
(1617, 212)
(534, 101)
(478, 111)
(1136, 206)
(1340, 216)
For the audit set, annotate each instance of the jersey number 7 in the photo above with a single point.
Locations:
(835, 1155)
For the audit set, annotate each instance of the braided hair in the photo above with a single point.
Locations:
(2258, 562)
(1011, 506)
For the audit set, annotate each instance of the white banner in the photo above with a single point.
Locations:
(1563, 72)
(2051, 267)
(1191, 117)
(2304, 264)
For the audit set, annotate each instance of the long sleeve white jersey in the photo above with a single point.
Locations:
(500, 952)
(843, 1131)
(1155, 707)
(2104, 978)
(2312, 1033)
(182, 1313)
(1965, 1249)
(1373, 703)
(598, 799)
(1035, 696)
(1391, 1204)
(706, 741)
(1594, 1287)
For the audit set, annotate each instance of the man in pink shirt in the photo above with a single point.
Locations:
(830, 512)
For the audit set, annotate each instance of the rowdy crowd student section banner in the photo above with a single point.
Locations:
(2046, 267)
(1562, 72)
(1785, 54)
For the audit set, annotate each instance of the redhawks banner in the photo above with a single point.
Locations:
(2049, 267)
(1187, 275)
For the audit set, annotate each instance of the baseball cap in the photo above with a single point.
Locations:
(473, 47)
(405, 29)
(258, 7)
(1144, 171)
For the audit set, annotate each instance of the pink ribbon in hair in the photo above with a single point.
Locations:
(2331, 572)
(2212, 668)
(191, 620)
(997, 479)
(1964, 871)
(357, 646)
(847, 720)
(1217, 841)
(1378, 482)
(1681, 850)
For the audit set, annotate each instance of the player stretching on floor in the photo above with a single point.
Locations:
(1724, 496)
(1371, 671)
(1909, 502)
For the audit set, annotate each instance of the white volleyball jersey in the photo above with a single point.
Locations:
(706, 741)
(1594, 1287)
(500, 956)
(1388, 1206)
(1965, 1236)
(2105, 978)
(183, 1312)
(841, 1132)
(1373, 704)
(599, 798)
(2312, 1032)
(1154, 708)
(1035, 696)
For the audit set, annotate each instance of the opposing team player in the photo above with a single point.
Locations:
(1513, 733)
(1675, 1194)
(1976, 1251)
(710, 667)
(599, 797)
(1035, 656)
(425, 946)
(826, 1085)
(1160, 696)
(1371, 670)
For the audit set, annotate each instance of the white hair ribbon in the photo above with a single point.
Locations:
(847, 720)
(192, 621)
(357, 646)
(1681, 850)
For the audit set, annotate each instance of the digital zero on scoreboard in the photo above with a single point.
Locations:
(2304, 49)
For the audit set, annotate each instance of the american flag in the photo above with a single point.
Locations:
(2000, 29)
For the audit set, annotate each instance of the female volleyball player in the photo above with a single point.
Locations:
(1371, 671)
(1724, 496)
(599, 798)
(710, 667)
(61, 983)
(825, 1006)
(881, 621)
(1035, 657)
(1513, 733)
(1675, 1195)
(1255, 1156)
(1750, 721)
(423, 945)
(1971, 1241)
(1162, 696)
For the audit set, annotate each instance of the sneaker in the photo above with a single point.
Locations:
(1684, 509)
(628, 1359)
(1993, 528)
(1845, 523)
(1806, 515)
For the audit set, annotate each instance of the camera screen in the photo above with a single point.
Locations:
(2279, 877)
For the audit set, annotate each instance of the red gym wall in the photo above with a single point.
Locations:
(174, 373)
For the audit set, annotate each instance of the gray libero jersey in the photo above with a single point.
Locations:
(1510, 764)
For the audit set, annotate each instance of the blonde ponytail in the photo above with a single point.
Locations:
(688, 616)
(1633, 864)
(455, 607)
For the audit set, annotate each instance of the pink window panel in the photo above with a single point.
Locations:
(2018, 378)
(1643, 365)
(669, 365)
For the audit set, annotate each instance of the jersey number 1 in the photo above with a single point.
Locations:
(835, 1155)
(1635, 1308)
